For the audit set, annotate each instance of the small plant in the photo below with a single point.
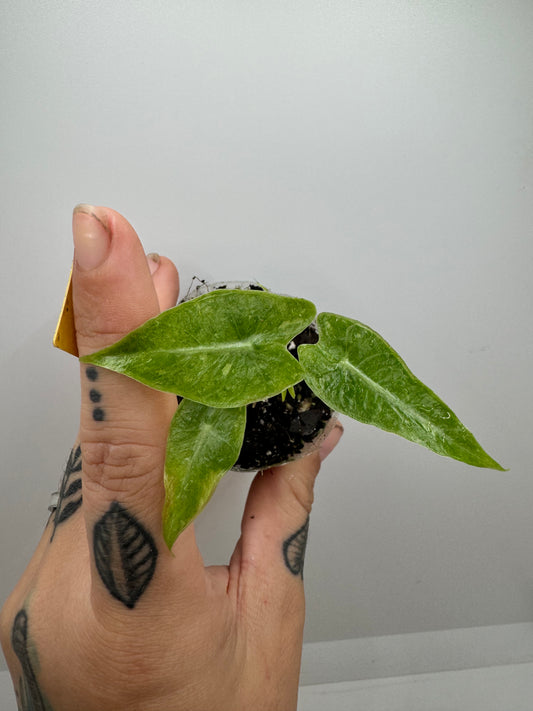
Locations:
(226, 349)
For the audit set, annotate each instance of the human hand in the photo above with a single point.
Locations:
(105, 617)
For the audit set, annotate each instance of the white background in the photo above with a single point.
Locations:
(375, 157)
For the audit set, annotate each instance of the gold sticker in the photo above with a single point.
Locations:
(65, 334)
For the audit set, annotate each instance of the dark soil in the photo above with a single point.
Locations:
(276, 430)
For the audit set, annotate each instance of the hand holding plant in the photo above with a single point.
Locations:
(105, 617)
(227, 349)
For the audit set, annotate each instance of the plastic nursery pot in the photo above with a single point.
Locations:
(287, 426)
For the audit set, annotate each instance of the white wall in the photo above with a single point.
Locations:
(374, 156)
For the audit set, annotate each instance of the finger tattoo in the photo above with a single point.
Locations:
(70, 496)
(94, 394)
(125, 554)
(294, 550)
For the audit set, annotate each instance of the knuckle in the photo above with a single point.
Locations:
(115, 467)
(90, 329)
(299, 480)
(302, 492)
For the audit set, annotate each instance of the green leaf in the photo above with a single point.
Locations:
(358, 374)
(203, 444)
(224, 349)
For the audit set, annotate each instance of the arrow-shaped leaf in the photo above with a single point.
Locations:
(358, 374)
(203, 444)
(224, 349)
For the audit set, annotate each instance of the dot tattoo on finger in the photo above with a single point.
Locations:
(98, 414)
(92, 373)
(95, 395)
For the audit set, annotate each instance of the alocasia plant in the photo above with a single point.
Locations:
(228, 348)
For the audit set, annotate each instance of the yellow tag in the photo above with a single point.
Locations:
(65, 335)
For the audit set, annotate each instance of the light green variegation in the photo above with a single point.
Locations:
(203, 444)
(223, 349)
(358, 374)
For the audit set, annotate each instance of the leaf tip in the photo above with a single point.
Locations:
(498, 467)
(484, 461)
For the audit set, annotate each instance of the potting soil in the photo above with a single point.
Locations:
(277, 429)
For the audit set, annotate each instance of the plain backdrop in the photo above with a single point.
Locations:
(374, 156)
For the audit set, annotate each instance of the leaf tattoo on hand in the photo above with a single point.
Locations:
(29, 694)
(125, 554)
(70, 496)
(294, 550)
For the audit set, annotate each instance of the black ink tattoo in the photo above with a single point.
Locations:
(98, 414)
(92, 373)
(70, 496)
(125, 554)
(29, 696)
(95, 395)
(294, 550)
